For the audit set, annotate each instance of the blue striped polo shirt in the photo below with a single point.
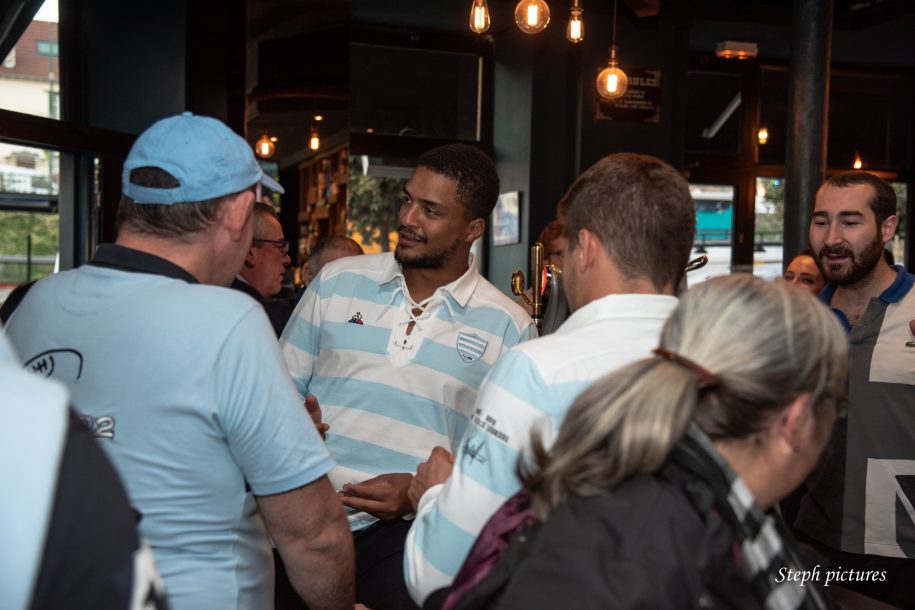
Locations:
(531, 388)
(389, 396)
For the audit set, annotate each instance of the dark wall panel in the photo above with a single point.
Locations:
(656, 44)
(512, 146)
(131, 64)
(554, 128)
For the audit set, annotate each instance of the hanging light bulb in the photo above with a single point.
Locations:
(611, 81)
(479, 16)
(576, 30)
(314, 142)
(763, 135)
(532, 16)
(265, 147)
(858, 164)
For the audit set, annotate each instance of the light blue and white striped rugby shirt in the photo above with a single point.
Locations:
(390, 397)
(531, 387)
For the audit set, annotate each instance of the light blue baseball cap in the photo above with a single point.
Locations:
(208, 159)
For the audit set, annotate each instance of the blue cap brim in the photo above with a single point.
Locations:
(272, 184)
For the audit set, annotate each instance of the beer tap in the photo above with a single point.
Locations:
(536, 278)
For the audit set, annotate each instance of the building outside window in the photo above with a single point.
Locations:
(29, 177)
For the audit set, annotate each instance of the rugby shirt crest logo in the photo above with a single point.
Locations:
(470, 346)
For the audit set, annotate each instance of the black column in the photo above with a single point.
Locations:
(78, 224)
(808, 105)
(215, 60)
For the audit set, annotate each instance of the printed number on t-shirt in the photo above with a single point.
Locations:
(102, 427)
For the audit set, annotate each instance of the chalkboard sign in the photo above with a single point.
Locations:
(640, 104)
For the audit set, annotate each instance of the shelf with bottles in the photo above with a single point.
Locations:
(322, 201)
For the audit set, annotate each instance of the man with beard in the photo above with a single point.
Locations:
(858, 506)
(394, 346)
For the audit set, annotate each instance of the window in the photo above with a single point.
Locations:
(28, 215)
(714, 228)
(46, 47)
(28, 247)
(769, 229)
(29, 75)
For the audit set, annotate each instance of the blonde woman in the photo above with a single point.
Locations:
(656, 491)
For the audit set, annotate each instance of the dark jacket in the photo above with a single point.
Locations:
(277, 310)
(653, 543)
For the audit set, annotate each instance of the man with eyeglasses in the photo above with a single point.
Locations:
(265, 266)
(183, 386)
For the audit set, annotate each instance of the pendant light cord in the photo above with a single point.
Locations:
(614, 24)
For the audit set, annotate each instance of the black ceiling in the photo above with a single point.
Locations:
(302, 46)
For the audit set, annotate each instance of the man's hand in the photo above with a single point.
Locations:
(314, 410)
(433, 471)
(384, 497)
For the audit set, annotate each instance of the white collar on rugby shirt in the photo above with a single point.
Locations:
(460, 289)
(620, 306)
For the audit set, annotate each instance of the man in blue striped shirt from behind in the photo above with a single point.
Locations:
(394, 348)
(629, 226)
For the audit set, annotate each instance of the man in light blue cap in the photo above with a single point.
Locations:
(184, 386)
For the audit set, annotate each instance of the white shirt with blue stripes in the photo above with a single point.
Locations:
(531, 387)
(389, 396)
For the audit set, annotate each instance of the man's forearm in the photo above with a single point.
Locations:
(322, 569)
(312, 536)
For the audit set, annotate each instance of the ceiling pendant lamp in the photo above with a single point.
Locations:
(314, 142)
(612, 82)
(575, 33)
(858, 163)
(532, 16)
(479, 16)
(265, 146)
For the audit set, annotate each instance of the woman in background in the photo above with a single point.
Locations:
(802, 271)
